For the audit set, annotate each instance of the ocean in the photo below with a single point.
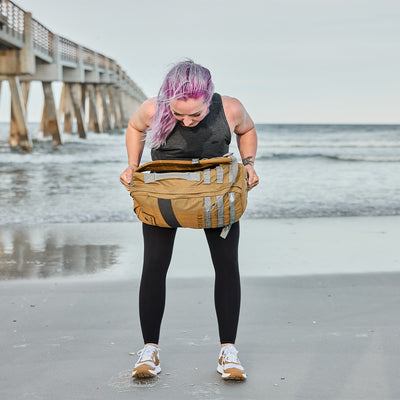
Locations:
(305, 171)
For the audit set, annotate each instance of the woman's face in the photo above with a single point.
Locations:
(189, 112)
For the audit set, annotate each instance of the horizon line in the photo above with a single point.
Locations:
(285, 123)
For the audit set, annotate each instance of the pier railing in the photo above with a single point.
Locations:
(31, 52)
(13, 35)
(12, 20)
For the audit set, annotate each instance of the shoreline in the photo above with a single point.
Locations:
(269, 247)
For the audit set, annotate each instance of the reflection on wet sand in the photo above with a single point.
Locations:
(40, 253)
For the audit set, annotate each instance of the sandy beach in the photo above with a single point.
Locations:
(319, 315)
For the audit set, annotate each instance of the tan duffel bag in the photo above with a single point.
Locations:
(208, 193)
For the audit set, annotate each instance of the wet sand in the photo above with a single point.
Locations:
(307, 331)
(278, 247)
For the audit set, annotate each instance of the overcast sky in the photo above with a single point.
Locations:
(288, 61)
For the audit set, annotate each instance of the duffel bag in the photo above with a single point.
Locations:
(207, 193)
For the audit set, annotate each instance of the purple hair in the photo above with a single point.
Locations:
(186, 80)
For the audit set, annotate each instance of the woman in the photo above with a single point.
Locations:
(188, 120)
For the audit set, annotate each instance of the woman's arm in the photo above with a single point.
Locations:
(135, 137)
(246, 136)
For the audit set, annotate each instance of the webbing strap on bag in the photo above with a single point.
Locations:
(232, 215)
(155, 176)
(207, 212)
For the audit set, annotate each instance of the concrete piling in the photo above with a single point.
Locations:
(19, 135)
(51, 114)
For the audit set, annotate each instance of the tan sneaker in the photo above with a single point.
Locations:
(148, 364)
(229, 365)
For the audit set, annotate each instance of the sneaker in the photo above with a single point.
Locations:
(229, 365)
(148, 364)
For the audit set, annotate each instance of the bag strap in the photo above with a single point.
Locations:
(183, 165)
(233, 171)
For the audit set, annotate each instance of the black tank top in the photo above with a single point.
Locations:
(209, 138)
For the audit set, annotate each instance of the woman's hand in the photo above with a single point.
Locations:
(126, 176)
(252, 177)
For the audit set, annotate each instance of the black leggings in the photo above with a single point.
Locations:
(158, 245)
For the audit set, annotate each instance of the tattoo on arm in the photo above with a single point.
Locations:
(248, 161)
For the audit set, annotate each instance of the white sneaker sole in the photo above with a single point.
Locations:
(150, 373)
(230, 377)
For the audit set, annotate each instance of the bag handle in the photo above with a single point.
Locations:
(183, 165)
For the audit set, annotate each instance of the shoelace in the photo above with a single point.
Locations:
(146, 353)
(230, 355)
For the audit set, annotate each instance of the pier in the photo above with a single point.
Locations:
(97, 95)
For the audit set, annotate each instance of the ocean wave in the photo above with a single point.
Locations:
(336, 157)
(316, 213)
(365, 158)
(9, 159)
(332, 144)
(51, 159)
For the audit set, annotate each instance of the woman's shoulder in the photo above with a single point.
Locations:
(146, 111)
(233, 108)
(230, 101)
(143, 116)
(148, 107)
